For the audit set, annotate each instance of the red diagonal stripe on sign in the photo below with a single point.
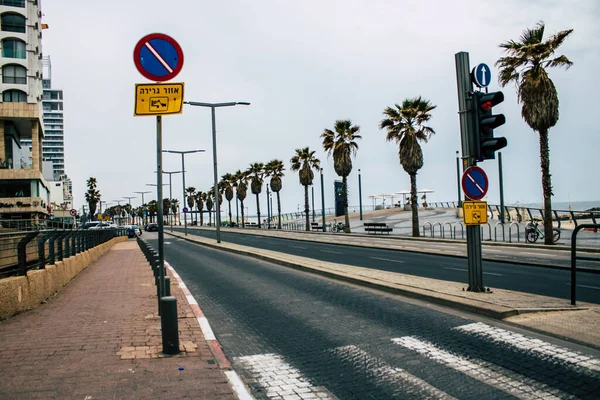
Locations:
(475, 183)
(158, 57)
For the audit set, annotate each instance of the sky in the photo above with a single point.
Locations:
(303, 65)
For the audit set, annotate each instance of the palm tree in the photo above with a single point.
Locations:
(200, 197)
(304, 162)
(152, 209)
(241, 189)
(256, 173)
(274, 169)
(92, 196)
(525, 65)
(191, 193)
(208, 199)
(166, 208)
(174, 208)
(342, 145)
(226, 185)
(404, 125)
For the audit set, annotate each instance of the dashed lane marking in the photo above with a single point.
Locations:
(586, 286)
(523, 342)
(387, 259)
(466, 270)
(491, 374)
(299, 247)
(331, 251)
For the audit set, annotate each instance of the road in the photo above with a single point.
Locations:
(511, 276)
(291, 334)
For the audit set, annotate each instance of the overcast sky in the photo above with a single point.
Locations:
(303, 65)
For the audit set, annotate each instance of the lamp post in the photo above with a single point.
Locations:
(159, 209)
(458, 178)
(312, 188)
(212, 107)
(183, 153)
(359, 195)
(171, 190)
(268, 209)
(323, 203)
(129, 198)
(142, 193)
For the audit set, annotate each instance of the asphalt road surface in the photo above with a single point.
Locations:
(511, 276)
(295, 335)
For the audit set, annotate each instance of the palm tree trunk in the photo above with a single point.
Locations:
(346, 217)
(201, 217)
(546, 186)
(242, 207)
(230, 218)
(414, 206)
(258, 209)
(307, 228)
(210, 217)
(278, 211)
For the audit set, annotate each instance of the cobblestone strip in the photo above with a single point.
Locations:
(280, 380)
(486, 372)
(380, 371)
(523, 342)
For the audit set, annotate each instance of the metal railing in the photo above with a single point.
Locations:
(27, 250)
(575, 257)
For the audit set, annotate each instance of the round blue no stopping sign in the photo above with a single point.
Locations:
(158, 57)
(475, 183)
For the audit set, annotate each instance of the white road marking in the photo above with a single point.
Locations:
(379, 370)
(238, 386)
(167, 242)
(585, 286)
(523, 342)
(206, 329)
(158, 57)
(466, 270)
(280, 379)
(491, 374)
(298, 247)
(331, 251)
(387, 259)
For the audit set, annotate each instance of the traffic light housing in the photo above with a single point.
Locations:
(485, 144)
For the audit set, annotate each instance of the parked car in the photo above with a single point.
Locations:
(136, 228)
(152, 227)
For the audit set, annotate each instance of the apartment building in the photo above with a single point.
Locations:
(24, 193)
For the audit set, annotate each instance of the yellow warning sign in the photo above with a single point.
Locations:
(158, 99)
(475, 212)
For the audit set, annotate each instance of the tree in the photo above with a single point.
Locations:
(525, 65)
(152, 209)
(304, 162)
(92, 196)
(226, 186)
(174, 208)
(191, 193)
(200, 197)
(256, 173)
(404, 125)
(241, 189)
(208, 199)
(341, 142)
(274, 169)
(166, 208)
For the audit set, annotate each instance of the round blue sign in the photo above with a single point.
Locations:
(475, 183)
(482, 75)
(185, 209)
(158, 57)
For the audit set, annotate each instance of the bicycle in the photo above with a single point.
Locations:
(337, 227)
(533, 233)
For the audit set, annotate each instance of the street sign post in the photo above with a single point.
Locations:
(474, 212)
(482, 75)
(475, 183)
(158, 99)
(158, 57)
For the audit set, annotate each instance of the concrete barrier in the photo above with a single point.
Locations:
(22, 293)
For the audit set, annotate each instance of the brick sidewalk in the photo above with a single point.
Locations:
(99, 338)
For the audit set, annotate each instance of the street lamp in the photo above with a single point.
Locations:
(183, 153)
(360, 195)
(323, 203)
(212, 107)
(142, 193)
(130, 210)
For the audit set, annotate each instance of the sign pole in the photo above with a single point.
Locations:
(465, 88)
(501, 187)
(159, 200)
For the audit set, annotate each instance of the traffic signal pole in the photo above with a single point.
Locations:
(467, 130)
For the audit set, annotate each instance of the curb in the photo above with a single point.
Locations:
(486, 309)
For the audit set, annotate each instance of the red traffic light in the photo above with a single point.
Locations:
(487, 106)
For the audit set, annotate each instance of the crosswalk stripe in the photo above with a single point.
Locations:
(379, 370)
(483, 371)
(280, 379)
(523, 342)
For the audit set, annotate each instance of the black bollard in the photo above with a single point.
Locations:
(168, 324)
(167, 286)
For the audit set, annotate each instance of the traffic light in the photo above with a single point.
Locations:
(484, 143)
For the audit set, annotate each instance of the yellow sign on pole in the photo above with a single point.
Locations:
(158, 99)
(475, 212)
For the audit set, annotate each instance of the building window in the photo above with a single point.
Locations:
(13, 3)
(13, 48)
(14, 74)
(13, 23)
(14, 96)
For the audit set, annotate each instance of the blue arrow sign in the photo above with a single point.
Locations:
(475, 183)
(482, 75)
